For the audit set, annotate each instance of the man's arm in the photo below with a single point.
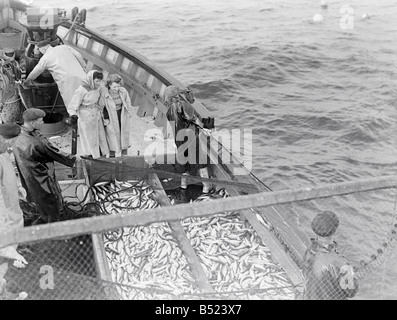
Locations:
(38, 69)
(55, 154)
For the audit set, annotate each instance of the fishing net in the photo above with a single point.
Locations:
(11, 107)
(230, 258)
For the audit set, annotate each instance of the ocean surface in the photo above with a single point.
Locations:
(320, 97)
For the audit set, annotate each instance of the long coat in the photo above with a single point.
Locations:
(11, 216)
(91, 131)
(66, 67)
(191, 145)
(34, 157)
(118, 139)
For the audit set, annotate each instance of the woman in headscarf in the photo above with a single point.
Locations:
(11, 216)
(116, 104)
(85, 105)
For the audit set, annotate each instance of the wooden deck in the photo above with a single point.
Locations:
(143, 134)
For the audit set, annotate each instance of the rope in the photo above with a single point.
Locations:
(383, 253)
(71, 27)
(393, 222)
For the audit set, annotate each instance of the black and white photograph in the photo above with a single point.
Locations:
(204, 157)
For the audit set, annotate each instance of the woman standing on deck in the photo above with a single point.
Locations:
(116, 104)
(85, 105)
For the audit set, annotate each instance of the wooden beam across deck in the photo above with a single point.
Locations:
(180, 236)
(184, 211)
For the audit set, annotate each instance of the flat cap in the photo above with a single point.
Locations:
(325, 224)
(33, 114)
(9, 130)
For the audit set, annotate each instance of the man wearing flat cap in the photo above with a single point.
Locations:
(11, 215)
(328, 275)
(66, 66)
(35, 156)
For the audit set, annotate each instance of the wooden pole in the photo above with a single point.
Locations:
(182, 239)
(183, 211)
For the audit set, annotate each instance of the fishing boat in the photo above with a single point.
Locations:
(145, 82)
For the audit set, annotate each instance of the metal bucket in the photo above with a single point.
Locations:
(53, 125)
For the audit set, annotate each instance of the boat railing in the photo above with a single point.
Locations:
(207, 239)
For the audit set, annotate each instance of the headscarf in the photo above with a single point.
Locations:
(171, 92)
(89, 80)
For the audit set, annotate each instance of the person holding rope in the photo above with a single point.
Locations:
(34, 157)
(328, 275)
(187, 130)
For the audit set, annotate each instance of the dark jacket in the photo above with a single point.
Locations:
(181, 117)
(35, 156)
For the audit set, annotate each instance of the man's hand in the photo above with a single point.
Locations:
(106, 122)
(28, 83)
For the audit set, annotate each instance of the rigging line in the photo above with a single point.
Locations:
(67, 33)
(384, 253)
(382, 290)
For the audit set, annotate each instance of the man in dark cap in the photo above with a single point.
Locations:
(328, 275)
(66, 66)
(35, 156)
